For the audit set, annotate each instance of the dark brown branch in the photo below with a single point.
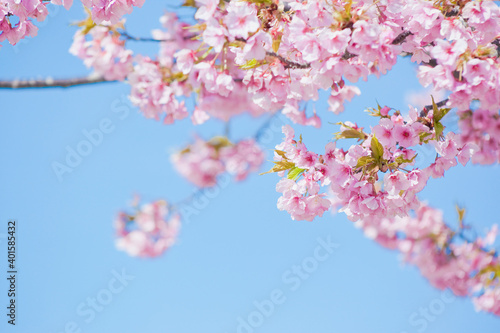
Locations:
(52, 83)
(496, 42)
(288, 63)
(348, 55)
(427, 108)
(432, 62)
(401, 37)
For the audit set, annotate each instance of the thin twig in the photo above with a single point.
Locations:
(52, 83)
(125, 35)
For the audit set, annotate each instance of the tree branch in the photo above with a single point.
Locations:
(288, 63)
(51, 83)
(125, 35)
(427, 108)
(401, 37)
(348, 55)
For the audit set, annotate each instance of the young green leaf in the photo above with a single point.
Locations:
(377, 149)
(295, 173)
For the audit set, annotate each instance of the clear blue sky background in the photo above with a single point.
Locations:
(232, 254)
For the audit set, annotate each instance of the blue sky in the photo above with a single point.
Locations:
(235, 257)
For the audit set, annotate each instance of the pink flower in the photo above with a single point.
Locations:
(207, 74)
(306, 159)
(225, 107)
(446, 53)
(199, 116)
(225, 84)
(214, 35)
(185, 60)
(107, 11)
(384, 132)
(206, 10)
(489, 301)
(437, 169)
(467, 152)
(337, 98)
(241, 19)
(418, 180)
(448, 148)
(405, 136)
(199, 164)
(154, 97)
(299, 205)
(308, 45)
(396, 182)
(203, 161)
(242, 159)
(335, 42)
(66, 3)
(104, 52)
(256, 46)
(300, 117)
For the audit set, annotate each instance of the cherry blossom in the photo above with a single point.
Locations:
(203, 161)
(104, 52)
(468, 268)
(16, 19)
(149, 232)
(110, 11)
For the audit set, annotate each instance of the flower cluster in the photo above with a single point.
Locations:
(480, 129)
(246, 56)
(445, 257)
(373, 184)
(371, 178)
(290, 51)
(202, 161)
(465, 62)
(16, 19)
(102, 50)
(149, 232)
(354, 176)
(110, 11)
(155, 93)
(16, 15)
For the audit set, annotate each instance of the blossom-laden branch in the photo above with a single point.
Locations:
(256, 56)
(469, 268)
(17, 18)
(262, 56)
(375, 183)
